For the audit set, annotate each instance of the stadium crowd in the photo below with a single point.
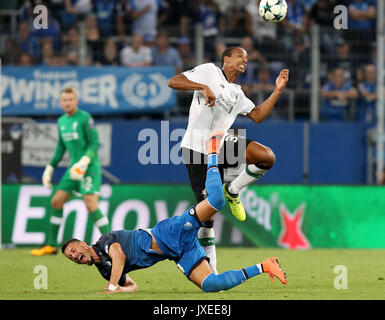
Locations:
(161, 32)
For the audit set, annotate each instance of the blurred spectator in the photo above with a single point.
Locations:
(322, 14)
(71, 49)
(110, 55)
(93, 37)
(56, 7)
(307, 4)
(264, 80)
(300, 65)
(144, 16)
(26, 11)
(47, 56)
(344, 60)
(254, 58)
(176, 16)
(25, 60)
(294, 24)
(234, 13)
(212, 23)
(164, 55)
(28, 43)
(264, 34)
(336, 94)
(51, 33)
(72, 10)
(361, 27)
(187, 56)
(366, 107)
(136, 55)
(105, 11)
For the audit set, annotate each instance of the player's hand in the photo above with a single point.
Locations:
(78, 170)
(47, 176)
(209, 96)
(107, 289)
(282, 79)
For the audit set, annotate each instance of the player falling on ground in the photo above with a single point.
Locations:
(119, 252)
(78, 136)
(215, 105)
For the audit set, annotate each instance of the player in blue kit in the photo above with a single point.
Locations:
(119, 252)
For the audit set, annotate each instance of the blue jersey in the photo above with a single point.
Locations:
(176, 238)
(136, 246)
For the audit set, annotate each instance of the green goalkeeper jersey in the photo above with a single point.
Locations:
(78, 136)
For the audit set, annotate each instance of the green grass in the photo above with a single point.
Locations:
(310, 277)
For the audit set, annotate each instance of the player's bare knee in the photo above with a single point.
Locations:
(270, 158)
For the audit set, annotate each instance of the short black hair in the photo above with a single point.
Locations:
(64, 246)
(227, 53)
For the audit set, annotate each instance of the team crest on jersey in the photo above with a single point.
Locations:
(188, 225)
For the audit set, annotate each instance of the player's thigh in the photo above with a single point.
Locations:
(200, 273)
(59, 198)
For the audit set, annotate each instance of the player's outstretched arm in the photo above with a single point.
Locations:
(180, 82)
(261, 112)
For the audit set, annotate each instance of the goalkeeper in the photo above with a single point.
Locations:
(78, 136)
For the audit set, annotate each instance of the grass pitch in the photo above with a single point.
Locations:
(311, 276)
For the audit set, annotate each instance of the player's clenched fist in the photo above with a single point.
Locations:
(78, 170)
(209, 96)
(47, 176)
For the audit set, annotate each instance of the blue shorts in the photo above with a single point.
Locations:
(177, 239)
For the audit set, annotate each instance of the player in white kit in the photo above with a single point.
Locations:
(216, 102)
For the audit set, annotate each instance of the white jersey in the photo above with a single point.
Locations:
(203, 120)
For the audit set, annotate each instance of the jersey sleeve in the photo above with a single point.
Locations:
(201, 73)
(245, 104)
(59, 151)
(92, 137)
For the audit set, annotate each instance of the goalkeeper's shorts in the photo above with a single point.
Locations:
(89, 185)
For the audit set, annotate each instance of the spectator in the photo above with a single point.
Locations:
(361, 27)
(264, 34)
(294, 24)
(187, 56)
(336, 94)
(366, 107)
(51, 33)
(344, 60)
(264, 80)
(26, 60)
(71, 49)
(28, 43)
(72, 10)
(93, 37)
(110, 55)
(321, 13)
(136, 55)
(144, 15)
(47, 55)
(164, 55)
(212, 23)
(254, 58)
(176, 15)
(106, 11)
(234, 14)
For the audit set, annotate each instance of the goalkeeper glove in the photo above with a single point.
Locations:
(47, 176)
(79, 169)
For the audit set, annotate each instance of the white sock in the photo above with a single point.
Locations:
(206, 238)
(251, 174)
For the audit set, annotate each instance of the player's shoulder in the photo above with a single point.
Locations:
(83, 113)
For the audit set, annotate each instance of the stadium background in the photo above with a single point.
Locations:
(324, 190)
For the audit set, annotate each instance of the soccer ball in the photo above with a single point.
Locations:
(273, 10)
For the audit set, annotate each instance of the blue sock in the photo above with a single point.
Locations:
(215, 195)
(212, 160)
(229, 279)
